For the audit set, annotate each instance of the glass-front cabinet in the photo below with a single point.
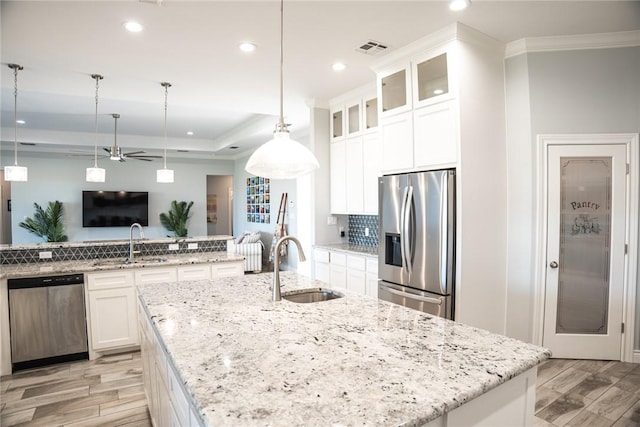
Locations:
(353, 119)
(371, 113)
(433, 78)
(395, 92)
(337, 124)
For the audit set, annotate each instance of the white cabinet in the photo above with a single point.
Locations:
(321, 264)
(338, 177)
(169, 403)
(337, 123)
(113, 321)
(227, 269)
(396, 134)
(435, 135)
(194, 272)
(155, 275)
(356, 273)
(355, 154)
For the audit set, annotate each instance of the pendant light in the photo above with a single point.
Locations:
(165, 175)
(15, 172)
(96, 174)
(281, 157)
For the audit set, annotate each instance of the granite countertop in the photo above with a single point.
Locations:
(354, 249)
(45, 245)
(11, 271)
(354, 360)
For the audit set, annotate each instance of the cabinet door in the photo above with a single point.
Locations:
(110, 280)
(155, 275)
(354, 119)
(113, 318)
(337, 124)
(370, 114)
(371, 152)
(356, 281)
(435, 135)
(355, 176)
(372, 285)
(323, 272)
(338, 276)
(227, 269)
(397, 142)
(194, 272)
(431, 80)
(338, 173)
(394, 92)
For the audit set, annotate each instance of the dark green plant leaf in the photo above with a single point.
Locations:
(177, 218)
(47, 224)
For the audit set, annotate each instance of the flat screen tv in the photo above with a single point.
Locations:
(114, 208)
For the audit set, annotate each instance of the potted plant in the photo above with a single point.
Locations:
(47, 223)
(177, 218)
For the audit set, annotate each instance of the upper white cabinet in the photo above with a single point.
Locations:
(337, 124)
(394, 90)
(355, 155)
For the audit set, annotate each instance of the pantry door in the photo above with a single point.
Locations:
(586, 220)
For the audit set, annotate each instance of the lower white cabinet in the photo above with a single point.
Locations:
(155, 275)
(111, 313)
(194, 272)
(227, 269)
(169, 403)
(357, 273)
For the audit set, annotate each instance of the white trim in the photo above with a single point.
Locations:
(636, 356)
(631, 265)
(575, 42)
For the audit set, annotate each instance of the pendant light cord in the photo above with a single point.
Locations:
(281, 126)
(15, 68)
(166, 86)
(97, 78)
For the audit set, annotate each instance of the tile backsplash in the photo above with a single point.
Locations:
(84, 252)
(357, 225)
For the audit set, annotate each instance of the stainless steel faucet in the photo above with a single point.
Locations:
(276, 263)
(131, 251)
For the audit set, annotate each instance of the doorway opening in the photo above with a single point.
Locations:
(219, 205)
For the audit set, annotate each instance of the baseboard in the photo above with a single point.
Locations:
(636, 356)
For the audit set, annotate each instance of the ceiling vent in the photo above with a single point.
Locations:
(372, 47)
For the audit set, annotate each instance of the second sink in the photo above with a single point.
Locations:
(311, 295)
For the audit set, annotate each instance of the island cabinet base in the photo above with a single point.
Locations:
(168, 401)
(510, 404)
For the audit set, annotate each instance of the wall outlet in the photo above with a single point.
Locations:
(45, 255)
(174, 246)
(366, 231)
(192, 246)
(332, 220)
(341, 229)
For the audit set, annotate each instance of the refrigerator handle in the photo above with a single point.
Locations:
(406, 237)
(420, 298)
(444, 232)
(403, 210)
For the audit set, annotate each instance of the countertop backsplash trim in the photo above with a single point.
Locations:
(87, 252)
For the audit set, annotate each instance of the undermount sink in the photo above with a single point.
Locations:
(311, 295)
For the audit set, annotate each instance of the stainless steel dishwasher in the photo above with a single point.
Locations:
(47, 320)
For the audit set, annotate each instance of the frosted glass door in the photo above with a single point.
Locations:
(586, 226)
(585, 240)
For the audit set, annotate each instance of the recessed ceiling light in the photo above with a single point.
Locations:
(190, 133)
(459, 4)
(247, 47)
(338, 66)
(20, 122)
(438, 92)
(133, 26)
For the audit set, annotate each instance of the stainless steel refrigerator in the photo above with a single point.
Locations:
(417, 241)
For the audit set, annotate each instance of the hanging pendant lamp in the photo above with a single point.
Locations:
(281, 157)
(165, 175)
(15, 172)
(96, 174)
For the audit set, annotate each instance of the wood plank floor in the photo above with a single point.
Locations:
(108, 392)
(104, 392)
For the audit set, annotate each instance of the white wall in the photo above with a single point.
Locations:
(582, 91)
(63, 179)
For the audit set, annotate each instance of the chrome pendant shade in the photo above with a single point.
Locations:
(96, 174)
(281, 157)
(165, 175)
(15, 173)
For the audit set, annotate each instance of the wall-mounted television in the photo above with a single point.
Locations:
(114, 208)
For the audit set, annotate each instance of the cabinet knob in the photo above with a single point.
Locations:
(553, 264)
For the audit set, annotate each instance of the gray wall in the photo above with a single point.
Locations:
(582, 91)
(63, 179)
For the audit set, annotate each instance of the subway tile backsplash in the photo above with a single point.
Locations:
(357, 225)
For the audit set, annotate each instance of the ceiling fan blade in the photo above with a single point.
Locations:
(141, 158)
(133, 153)
(145, 156)
(107, 150)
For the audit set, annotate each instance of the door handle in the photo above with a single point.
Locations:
(553, 264)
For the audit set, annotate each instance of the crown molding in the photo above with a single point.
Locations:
(576, 42)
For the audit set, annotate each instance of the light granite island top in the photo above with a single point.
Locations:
(245, 360)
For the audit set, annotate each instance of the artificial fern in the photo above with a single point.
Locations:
(47, 224)
(177, 218)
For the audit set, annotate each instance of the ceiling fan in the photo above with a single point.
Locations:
(115, 152)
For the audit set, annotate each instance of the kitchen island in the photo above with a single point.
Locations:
(237, 358)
